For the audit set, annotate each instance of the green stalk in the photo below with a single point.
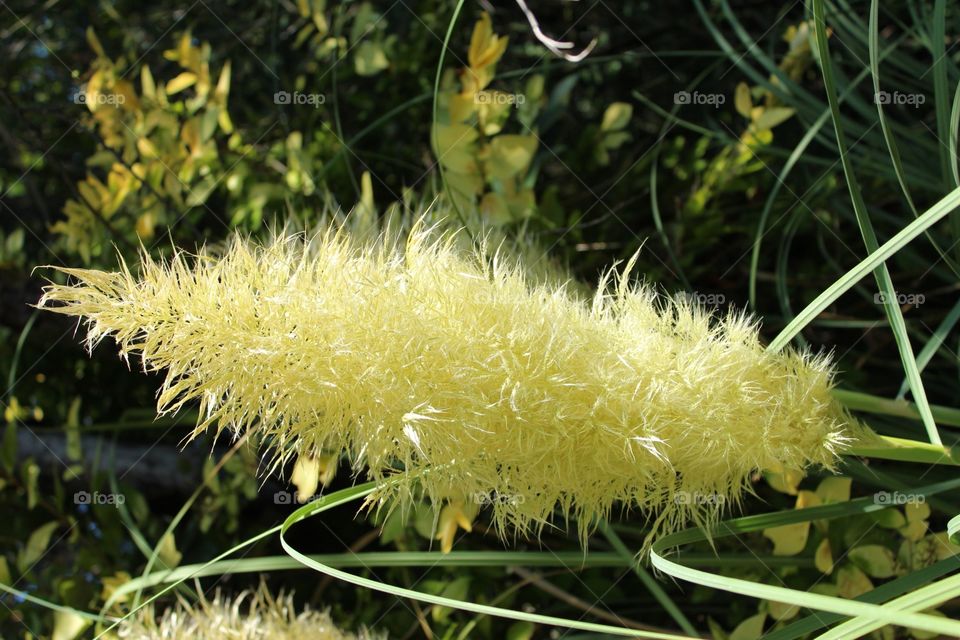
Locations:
(652, 585)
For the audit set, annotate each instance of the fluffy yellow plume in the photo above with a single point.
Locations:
(251, 616)
(454, 374)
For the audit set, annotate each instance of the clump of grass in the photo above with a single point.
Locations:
(253, 615)
(452, 373)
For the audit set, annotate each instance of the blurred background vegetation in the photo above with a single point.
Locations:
(696, 132)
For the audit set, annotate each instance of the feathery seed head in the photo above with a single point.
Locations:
(458, 376)
(253, 615)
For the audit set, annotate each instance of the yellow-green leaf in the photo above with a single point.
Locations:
(749, 629)
(454, 147)
(67, 625)
(494, 209)
(781, 611)
(785, 481)
(876, 560)
(37, 545)
(167, 551)
(369, 58)
(181, 82)
(742, 100)
(306, 477)
(94, 43)
(772, 117)
(223, 84)
(511, 155)
(823, 558)
(914, 530)
(616, 116)
(788, 539)
(834, 489)
(890, 518)
(852, 582)
(916, 511)
(147, 86)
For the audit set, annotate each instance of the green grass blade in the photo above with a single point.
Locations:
(857, 401)
(924, 598)
(652, 585)
(801, 628)
(933, 344)
(941, 101)
(954, 126)
(881, 273)
(850, 608)
(436, 109)
(570, 560)
(892, 148)
(360, 491)
(873, 34)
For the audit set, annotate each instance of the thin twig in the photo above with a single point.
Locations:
(548, 587)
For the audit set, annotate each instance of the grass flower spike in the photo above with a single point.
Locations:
(255, 615)
(455, 374)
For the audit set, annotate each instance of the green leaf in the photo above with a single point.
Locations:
(742, 100)
(37, 545)
(181, 82)
(749, 629)
(716, 631)
(456, 589)
(201, 191)
(789, 539)
(889, 518)
(616, 116)
(30, 472)
(852, 582)
(369, 58)
(834, 489)
(67, 625)
(781, 611)
(823, 558)
(772, 117)
(167, 551)
(876, 560)
(511, 155)
(521, 630)
(74, 448)
(916, 511)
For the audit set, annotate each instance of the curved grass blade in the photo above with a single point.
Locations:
(848, 608)
(361, 491)
(801, 628)
(933, 345)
